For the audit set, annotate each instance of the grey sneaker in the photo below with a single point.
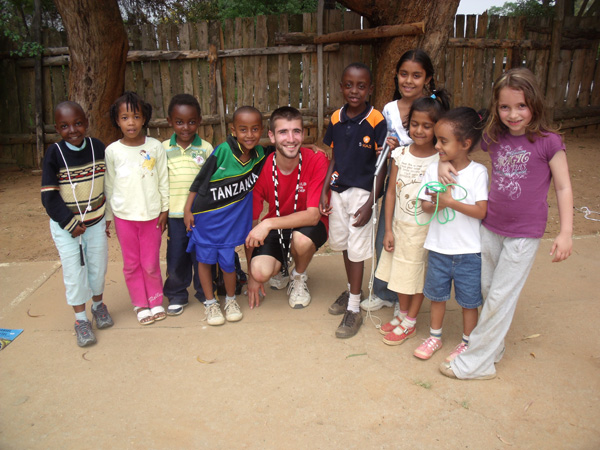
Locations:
(350, 325)
(279, 281)
(341, 303)
(102, 317)
(214, 316)
(299, 296)
(85, 335)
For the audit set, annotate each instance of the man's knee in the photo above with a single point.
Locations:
(302, 245)
(264, 267)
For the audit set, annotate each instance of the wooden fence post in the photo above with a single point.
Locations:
(551, 85)
(320, 93)
(39, 106)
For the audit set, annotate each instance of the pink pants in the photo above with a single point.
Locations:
(140, 245)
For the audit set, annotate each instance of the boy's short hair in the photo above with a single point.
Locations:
(69, 104)
(184, 99)
(246, 109)
(285, 112)
(360, 66)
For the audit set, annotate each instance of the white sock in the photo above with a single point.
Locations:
(81, 316)
(294, 273)
(208, 302)
(348, 287)
(465, 339)
(96, 304)
(409, 322)
(228, 298)
(435, 333)
(354, 303)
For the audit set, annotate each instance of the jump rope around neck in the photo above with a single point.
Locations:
(443, 217)
(73, 186)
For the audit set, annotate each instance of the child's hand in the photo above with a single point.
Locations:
(445, 171)
(324, 206)
(78, 230)
(444, 199)
(257, 235)
(363, 215)
(255, 289)
(562, 247)
(316, 149)
(162, 221)
(107, 231)
(388, 241)
(393, 142)
(188, 220)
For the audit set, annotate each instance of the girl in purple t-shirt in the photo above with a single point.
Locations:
(526, 154)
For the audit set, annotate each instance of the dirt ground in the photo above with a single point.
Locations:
(279, 378)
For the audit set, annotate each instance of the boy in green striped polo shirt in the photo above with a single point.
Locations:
(186, 154)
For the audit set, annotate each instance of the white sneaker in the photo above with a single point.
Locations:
(374, 303)
(279, 281)
(298, 292)
(232, 311)
(214, 316)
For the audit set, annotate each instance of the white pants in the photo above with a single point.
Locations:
(505, 265)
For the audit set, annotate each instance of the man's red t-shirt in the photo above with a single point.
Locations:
(312, 177)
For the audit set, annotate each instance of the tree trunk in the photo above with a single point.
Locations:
(98, 46)
(438, 16)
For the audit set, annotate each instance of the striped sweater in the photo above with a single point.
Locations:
(59, 198)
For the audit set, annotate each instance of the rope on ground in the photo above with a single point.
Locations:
(585, 210)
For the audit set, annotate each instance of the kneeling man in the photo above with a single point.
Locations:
(290, 182)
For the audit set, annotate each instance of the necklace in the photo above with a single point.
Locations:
(285, 251)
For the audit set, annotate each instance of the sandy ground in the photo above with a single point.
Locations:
(279, 378)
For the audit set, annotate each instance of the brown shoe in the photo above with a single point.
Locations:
(350, 325)
(340, 305)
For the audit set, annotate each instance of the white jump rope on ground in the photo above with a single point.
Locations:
(381, 159)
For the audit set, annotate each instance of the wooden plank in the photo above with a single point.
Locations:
(469, 65)
(307, 26)
(165, 72)
(272, 64)
(595, 94)
(588, 71)
(542, 57)
(260, 72)
(457, 91)
(47, 94)
(335, 63)
(228, 68)
(480, 65)
(564, 69)
(575, 77)
(148, 43)
(352, 21)
(175, 65)
(295, 65)
(313, 67)
(202, 94)
(185, 44)
(248, 62)
(499, 55)
(284, 66)
(510, 33)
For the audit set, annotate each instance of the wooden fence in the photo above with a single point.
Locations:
(240, 62)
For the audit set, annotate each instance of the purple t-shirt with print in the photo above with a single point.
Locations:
(517, 205)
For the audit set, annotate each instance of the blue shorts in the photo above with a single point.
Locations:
(210, 255)
(465, 270)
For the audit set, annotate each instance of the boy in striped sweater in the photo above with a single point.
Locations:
(73, 195)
